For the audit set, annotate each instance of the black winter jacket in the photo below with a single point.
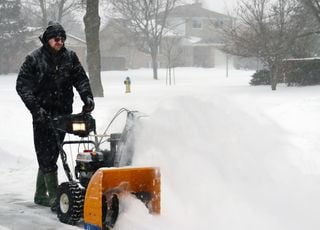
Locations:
(46, 80)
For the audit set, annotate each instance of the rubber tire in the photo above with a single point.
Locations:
(144, 197)
(70, 200)
(110, 212)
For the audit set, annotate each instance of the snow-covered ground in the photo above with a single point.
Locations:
(232, 156)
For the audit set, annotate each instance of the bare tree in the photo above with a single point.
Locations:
(92, 28)
(51, 10)
(312, 9)
(314, 6)
(172, 52)
(267, 29)
(146, 20)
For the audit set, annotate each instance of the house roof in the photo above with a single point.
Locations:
(76, 38)
(195, 10)
(35, 32)
(113, 22)
(198, 41)
(303, 59)
(213, 40)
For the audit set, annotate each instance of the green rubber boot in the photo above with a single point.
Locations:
(40, 196)
(51, 180)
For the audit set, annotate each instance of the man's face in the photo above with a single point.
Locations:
(56, 43)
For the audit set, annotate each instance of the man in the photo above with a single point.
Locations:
(45, 84)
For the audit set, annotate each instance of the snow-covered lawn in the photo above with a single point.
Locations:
(232, 156)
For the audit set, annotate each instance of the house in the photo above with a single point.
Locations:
(193, 36)
(201, 34)
(118, 48)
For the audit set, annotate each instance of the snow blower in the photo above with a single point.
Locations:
(102, 176)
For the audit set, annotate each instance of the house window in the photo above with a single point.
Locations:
(218, 24)
(196, 24)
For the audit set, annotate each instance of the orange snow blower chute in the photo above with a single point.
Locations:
(108, 184)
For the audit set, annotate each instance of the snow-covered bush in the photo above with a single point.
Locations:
(261, 77)
(302, 72)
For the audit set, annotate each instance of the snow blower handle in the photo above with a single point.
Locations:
(80, 124)
(88, 106)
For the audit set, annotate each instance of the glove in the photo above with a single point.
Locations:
(40, 115)
(88, 105)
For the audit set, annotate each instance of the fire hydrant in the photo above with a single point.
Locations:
(127, 82)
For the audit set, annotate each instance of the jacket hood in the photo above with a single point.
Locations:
(53, 30)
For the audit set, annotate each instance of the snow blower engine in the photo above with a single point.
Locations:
(100, 177)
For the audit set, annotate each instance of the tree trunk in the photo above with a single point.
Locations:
(170, 70)
(154, 63)
(60, 10)
(274, 76)
(92, 27)
(44, 14)
(274, 83)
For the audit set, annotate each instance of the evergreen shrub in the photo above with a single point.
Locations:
(302, 72)
(261, 77)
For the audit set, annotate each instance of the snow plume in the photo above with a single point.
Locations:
(220, 169)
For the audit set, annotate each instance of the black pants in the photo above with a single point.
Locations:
(46, 146)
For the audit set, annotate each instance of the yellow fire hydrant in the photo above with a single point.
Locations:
(127, 82)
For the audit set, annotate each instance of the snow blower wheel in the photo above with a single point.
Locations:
(110, 211)
(70, 199)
